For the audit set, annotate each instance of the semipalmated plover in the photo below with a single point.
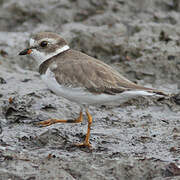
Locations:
(79, 77)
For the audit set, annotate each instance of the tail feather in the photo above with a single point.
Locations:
(159, 92)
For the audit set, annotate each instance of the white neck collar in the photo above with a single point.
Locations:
(64, 48)
(40, 57)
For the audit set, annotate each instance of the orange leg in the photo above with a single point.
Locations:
(78, 120)
(54, 121)
(86, 141)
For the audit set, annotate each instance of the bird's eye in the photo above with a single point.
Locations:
(44, 44)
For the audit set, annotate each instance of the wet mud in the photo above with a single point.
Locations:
(139, 139)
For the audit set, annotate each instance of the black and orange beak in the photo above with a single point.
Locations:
(26, 51)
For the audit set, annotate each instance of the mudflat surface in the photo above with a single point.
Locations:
(139, 139)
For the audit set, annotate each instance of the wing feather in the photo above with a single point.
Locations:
(92, 74)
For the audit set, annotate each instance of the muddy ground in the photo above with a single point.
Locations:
(137, 140)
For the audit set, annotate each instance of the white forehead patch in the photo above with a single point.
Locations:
(32, 42)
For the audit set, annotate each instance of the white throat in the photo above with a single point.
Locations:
(40, 57)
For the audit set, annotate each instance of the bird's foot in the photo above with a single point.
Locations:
(84, 144)
(54, 121)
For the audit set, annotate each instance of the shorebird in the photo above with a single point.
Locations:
(80, 78)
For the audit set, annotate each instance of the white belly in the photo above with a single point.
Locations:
(82, 96)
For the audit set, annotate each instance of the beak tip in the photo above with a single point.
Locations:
(20, 54)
